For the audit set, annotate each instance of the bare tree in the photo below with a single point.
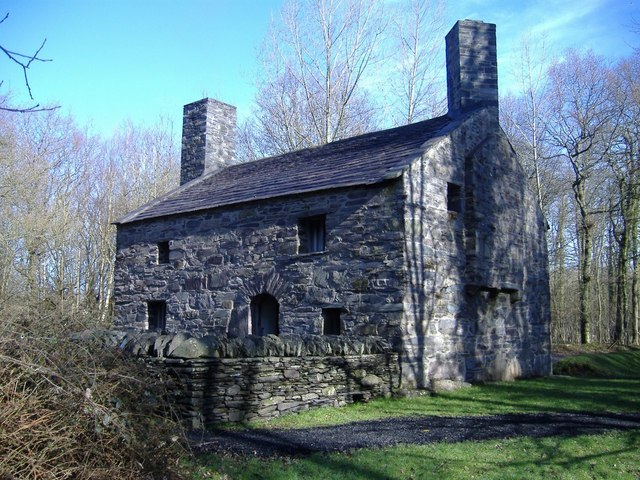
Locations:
(533, 66)
(418, 86)
(311, 88)
(579, 128)
(624, 161)
(41, 166)
(60, 192)
(24, 62)
(131, 168)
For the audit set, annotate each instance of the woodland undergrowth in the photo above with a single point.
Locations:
(71, 409)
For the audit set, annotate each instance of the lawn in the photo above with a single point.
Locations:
(610, 455)
(621, 364)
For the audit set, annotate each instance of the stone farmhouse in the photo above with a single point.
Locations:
(424, 235)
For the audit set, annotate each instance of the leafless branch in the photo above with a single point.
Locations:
(25, 61)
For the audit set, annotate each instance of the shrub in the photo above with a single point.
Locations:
(77, 409)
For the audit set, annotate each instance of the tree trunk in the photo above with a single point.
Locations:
(585, 233)
(635, 334)
(622, 300)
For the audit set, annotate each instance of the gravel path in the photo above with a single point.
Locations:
(408, 430)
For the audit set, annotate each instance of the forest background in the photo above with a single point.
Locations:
(329, 70)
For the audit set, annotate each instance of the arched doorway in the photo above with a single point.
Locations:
(265, 312)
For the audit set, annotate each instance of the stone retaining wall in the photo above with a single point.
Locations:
(214, 390)
(231, 380)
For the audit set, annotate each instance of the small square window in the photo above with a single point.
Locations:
(163, 252)
(311, 232)
(157, 315)
(454, 197)
(331, 321)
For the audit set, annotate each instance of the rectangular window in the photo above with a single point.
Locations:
(331, 321)
(483, 250)
(311, 233)
(157, 315)
(163, 252)
(454, 197)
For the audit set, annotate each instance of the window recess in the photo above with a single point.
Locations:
(454, 197)
(156, 315)
(163, 252)
(312, 234)
(331, 324)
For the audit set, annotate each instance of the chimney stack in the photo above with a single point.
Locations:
(472, 67)
(208, 138)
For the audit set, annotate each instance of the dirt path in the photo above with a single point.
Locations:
(408, 430)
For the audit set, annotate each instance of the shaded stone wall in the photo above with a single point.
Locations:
(477, 303)
(217, 379)
(434, 256)
(220, 259)
(507, 289)
(211, 390)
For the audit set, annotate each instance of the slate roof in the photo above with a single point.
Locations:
(363, 160)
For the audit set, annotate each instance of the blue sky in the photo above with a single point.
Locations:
(139, 60)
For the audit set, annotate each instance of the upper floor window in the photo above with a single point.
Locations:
(163, 252)
(454, 197)
(312, 233)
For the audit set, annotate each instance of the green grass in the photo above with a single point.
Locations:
(623, 364)
(611, 455)
(554, 394)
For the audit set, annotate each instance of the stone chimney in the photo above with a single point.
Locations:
(472, 67)
(208, 138)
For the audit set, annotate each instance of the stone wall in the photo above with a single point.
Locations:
(477, 303)
(232, 390)
(230, 380)
(220, 259)
(208, 138)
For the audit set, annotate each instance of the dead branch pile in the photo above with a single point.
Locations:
(78, 410)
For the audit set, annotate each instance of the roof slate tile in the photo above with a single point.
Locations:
(362, 160)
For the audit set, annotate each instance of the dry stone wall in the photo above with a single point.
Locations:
(217, 379)
(241, 389)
